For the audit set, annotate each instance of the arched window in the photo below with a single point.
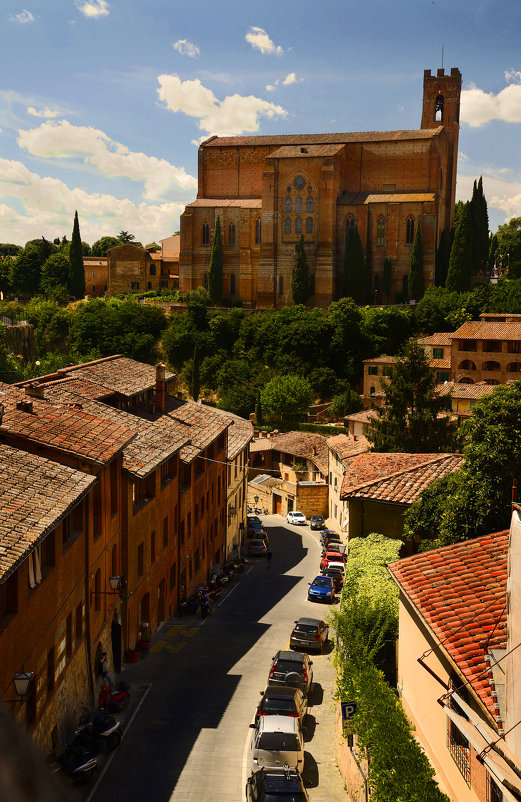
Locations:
(232, 284)
(288, 204)
(309, 225)
(298, 225)
(350, 223)
(438, 109)
(258, 231)
(310, 205)
(409, 238)
(205, 240)
(281, 285)
(287, 225)
(231, 234)
(514, 367)
(467, 364)
(298, 205)
(380, 231)
(491, 365)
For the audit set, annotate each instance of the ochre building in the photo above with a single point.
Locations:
(268, 190)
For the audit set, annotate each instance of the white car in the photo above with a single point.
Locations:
(277, 741)
(298, 518)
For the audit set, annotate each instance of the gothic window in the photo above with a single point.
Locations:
(258, 231)
(380, 231)
(231, 234)
(281, 285)
(298, 205)
(288, 204)
(152, 270)
(309, 225)
(409, 239)
(309, 205)
(232, 284)
(350, 223)
(205, 234)
(298, 225)
(438, 109)
(287, 225)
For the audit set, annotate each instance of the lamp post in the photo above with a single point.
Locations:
(22, 680)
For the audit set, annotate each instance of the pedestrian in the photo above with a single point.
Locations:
(269, 555)
(102, 670)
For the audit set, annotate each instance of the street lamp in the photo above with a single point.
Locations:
(22, 680)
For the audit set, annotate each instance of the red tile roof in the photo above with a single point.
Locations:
(459, 390)
(221, 203)
(356, 198)
(440, 338)
(299, 444)
(312, 139)
(35, 495)
(460, 592)
(346, 446)
(386, 360)
(485, 330)
(118, 374)
(204, 424)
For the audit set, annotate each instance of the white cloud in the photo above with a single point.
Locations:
(270, 88)
(45, 112)
(500, 194)
(48, 208)
(289, 79)
(61, 140)
(513, 76)
(186, 48)
(93, 8)
(479, 107)
(259, 39)
(23, 17)
(234, 115)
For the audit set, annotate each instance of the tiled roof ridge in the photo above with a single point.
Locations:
(403, 471)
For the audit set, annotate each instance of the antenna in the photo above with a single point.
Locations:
(442, 49)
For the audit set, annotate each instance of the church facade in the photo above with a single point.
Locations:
(270, 190)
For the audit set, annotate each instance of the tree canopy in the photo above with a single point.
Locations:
(76, 269)
(460, 262)
(287, 396)
(356, 277)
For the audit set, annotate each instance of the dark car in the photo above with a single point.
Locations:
(281, 783)
(253, 523)
(309, 633)
(321, 589)
(293, 669)
(257, 534)
(328, 536)
(317, 522)
(281, 700)
(336, 575)
(256, 547)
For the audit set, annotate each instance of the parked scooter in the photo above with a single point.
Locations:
(188, 606)
(102, 725)
(114, 699)
(78, 762)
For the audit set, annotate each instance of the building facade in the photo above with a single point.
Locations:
(267, 191)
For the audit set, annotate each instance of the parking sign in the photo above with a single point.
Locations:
(348, 710)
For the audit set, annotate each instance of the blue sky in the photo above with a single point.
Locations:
(103, 102)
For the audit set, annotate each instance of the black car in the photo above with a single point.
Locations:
(281, 700)
(291, 668)
(328, 536)
(267, 785)
(336, 576)
(317, 522)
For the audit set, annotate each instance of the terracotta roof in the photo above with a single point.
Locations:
(346, 446)
(357, 198)
(83, 387)
(460, 592)
(404, 486)
(62, 427)
(386, 360)
(299, 444)
(153, 443)
(460, 390)
(119, 374)
(35, 494)
(306, 151)
(205, 424)
(373, 467)
(484, 330)
(316, 139)
(240, 432)
(365, 416)
(441, 338)
(242, 203)
(439, 363)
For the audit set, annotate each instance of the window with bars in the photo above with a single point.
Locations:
(205, 234)
(409, 231)
(459, 748)
(231, 234)
(380, 231)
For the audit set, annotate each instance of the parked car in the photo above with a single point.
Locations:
(281, 700)
(277, 741)
(253, 523)
(257, 534)
(317, 522)
(329, 535)
(267, 785)
(336, 575)
(291, 668)
(334, 546)
(295, 517)
(321, 589)
(309, 633)
(339, 566)
(331, 557)
(256, 547)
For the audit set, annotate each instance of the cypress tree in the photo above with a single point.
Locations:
(483, 228)
(258, 410)
(479, 219)
(442, 258)
(76, 270)
(460, 262)
(388, 278)
(356, 277)
(196, 383)
(300, 283)
(215, 272)
(416, 274)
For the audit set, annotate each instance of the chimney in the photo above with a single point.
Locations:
(355, 437)
(24, 405)
(160, 387)
(34, 389)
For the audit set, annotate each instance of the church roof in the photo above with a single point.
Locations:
(357, 198)
(220, 203)
(324, 139)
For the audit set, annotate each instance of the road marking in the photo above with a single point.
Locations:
(191, 631)
(113, 753)
(245, 762)
(173, 631)
(158, 645)
(228, 595)
(176, 647)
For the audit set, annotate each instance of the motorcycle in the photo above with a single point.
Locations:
(78, 762)
(102, 725)
(219, 579)
(114, 699)
(188, 606)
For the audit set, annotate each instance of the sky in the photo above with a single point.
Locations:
(103, 103)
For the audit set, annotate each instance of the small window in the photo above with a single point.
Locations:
(134, 285)
(152, 270)
(288, 204)
(287, 225)
(442, 376)
(231, 234)
(281, 285)
(298, 205)
(258, 231)
(437, 353)
(79, 621)
(298, 225)
(309, 225)
(205, 234)
(380, 231)
(149, 285)
(372, 370)
(409, 234)
(173, 576)
(387, 371)
(50, 670)
(438, 109)
(310, 205)
(232, 284)
(205, 280)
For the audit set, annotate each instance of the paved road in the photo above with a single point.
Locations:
(194, 695)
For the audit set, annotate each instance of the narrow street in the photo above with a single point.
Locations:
(194, 696)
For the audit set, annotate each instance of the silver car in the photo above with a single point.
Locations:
(277, 741)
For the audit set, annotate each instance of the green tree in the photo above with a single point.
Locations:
(388, 278)
(460, 262)
(54, 274)
(410, 419)
(258, 409)
(125, 237)
(196, 383)
(25, 270)
(416, 274)
(76, 269)
(8, 249)
(442, 258)
(509, 242)
(300, 286)
(101, 246)
(287, 396)
(479, 222)
(344, 404)
(356, 277)
(5, 273)
(215, 271)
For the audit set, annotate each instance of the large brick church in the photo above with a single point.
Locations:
(268, 190)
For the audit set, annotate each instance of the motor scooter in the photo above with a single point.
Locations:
(102, 725)
(114, 699)
(77, 762)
